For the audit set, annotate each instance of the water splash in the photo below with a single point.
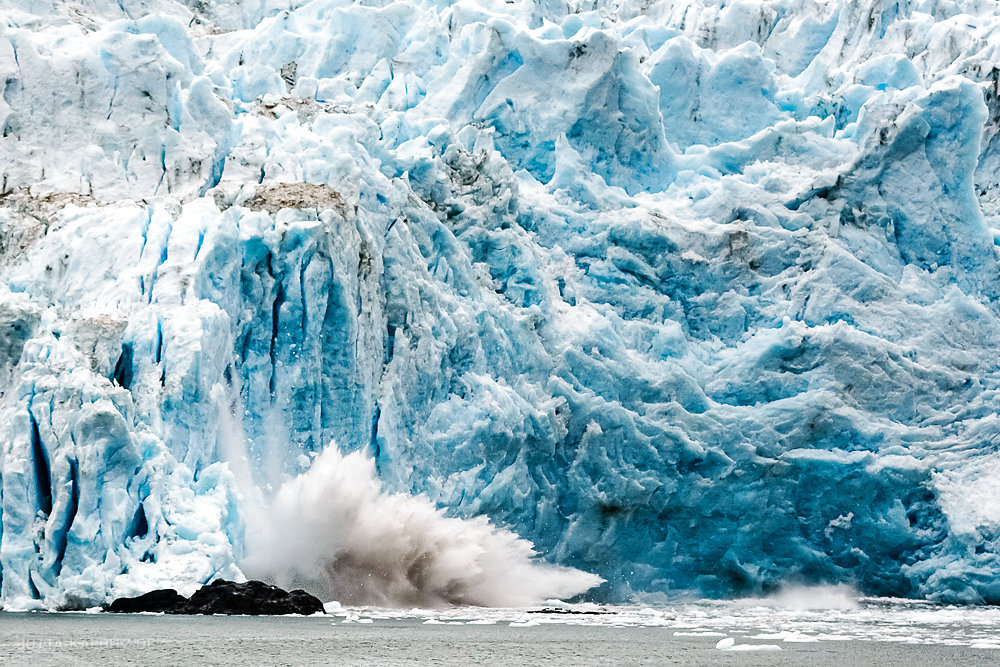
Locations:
(335, 531)
(812, 597)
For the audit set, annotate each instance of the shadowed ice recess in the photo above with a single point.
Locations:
(494, 301)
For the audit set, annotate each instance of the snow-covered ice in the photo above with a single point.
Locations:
(695, 296)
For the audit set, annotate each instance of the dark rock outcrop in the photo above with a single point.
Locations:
(166, 600)
(223, 597)
(253, 597)
(561, 610)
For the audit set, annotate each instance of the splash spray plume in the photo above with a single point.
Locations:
(334, 530)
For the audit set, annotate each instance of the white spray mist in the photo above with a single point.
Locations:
(334, 531)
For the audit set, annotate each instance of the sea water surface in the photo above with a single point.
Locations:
(813, 628)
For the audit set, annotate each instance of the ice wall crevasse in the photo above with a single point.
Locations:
(696, 296)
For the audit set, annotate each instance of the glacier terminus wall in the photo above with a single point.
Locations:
(490, 301)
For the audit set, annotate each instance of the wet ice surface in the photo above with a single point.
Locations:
(874, 631)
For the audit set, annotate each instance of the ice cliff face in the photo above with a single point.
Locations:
(699, 296)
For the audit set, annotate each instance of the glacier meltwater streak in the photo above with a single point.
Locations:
(493, 301)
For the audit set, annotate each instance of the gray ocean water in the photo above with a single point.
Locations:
(873, 633)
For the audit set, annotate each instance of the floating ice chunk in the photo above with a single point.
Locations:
(729, 644)
(985, 644)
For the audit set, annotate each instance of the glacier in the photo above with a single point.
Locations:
(697, 296)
